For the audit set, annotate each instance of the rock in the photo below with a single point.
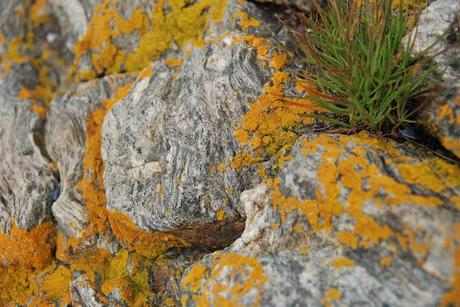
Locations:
(66, 131)
(27, 177)
(167, 147)
(83, 294)
(350, 219)
(442, 114)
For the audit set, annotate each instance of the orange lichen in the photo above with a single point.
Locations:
(247, 22)
(39, 54)
(342, 262)
(386, 261)
(269, 127)
(192, 281)
(29, 249)
(182, 23)
(452, 145)
(246, 272)
(92, 183)
(146, 243)
(331, 294)
(174, 62)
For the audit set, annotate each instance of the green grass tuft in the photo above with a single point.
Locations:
(365, 74)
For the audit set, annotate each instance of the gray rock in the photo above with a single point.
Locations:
(442, 113)
(27, 178)
(164, 143)
(343, 224)
(167, 147)
(83, 294)
(65, 141)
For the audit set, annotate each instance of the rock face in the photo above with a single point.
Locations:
(66, 131)
(441, 116)
(27, 177)
(168, 146)
(173, 134)
(346, 221)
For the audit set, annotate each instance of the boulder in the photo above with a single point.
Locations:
(439, 26)
(349, 220)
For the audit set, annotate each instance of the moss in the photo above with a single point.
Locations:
(181, 23)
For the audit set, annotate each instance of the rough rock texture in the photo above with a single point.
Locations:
(27, 179)
(65, 139)
(346, 222)
(27, 176)
(168, 146)
(140, 175)
(442, 115)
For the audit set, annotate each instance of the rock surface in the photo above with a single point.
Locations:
(442, 114)
(66, 131)
(123, 173)
(347, 221)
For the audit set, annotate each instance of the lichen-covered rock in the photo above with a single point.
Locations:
(168, 146)
(68, 121)
(350, 219)
(27, 176)
(439, 22)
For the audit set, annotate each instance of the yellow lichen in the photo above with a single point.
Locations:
(181, 23)
(28, 249)
(246, 272)
(143, 242)
(56, 286)
(331, 294)
(364, 183)
(192, 281)
(247, 22)
(269, 127)
(342, 262)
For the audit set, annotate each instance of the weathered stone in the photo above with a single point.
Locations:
(439, 26)
(83, 294)
(27, 176)
(168, 145)
(66, 129)
(349, 220)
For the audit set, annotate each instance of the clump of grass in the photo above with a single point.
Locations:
(363, 73)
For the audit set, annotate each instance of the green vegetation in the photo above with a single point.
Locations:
(363, 73)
